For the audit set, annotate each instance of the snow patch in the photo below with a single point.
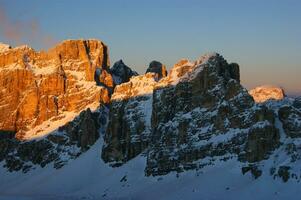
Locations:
(54, 123)
(4, 47)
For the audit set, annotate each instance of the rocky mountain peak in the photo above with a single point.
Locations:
(185, 70)
(180, 69)
(228, 71)
(157, 68)
(121, 72)
(267, 92)
(83, 49)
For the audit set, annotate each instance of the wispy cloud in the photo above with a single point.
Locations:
(22, 31)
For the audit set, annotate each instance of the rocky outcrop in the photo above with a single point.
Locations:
(262, 139)
(40, 86)
(83, 130)
(158, 68)
(290, 116)
(121, 73)
(297, 103)
(264, 93)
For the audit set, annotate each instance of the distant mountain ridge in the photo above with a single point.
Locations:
(267, 92)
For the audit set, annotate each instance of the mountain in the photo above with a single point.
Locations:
(193, 133)
(43, 90)
(266, 92)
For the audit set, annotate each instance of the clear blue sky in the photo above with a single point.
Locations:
(263, 36)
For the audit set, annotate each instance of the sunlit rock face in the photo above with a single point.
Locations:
(50, 86)
(264, 93)
(4, 47)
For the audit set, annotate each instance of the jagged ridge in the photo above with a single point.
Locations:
(194, 116)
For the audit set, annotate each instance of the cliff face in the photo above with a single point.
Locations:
(40, 86)
(129, 128)
(290, 116)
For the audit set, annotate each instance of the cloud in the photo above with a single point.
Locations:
(22, 31)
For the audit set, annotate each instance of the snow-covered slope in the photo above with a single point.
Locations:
(4, 47)
(90, 178)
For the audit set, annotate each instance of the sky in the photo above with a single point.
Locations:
(262, 36)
